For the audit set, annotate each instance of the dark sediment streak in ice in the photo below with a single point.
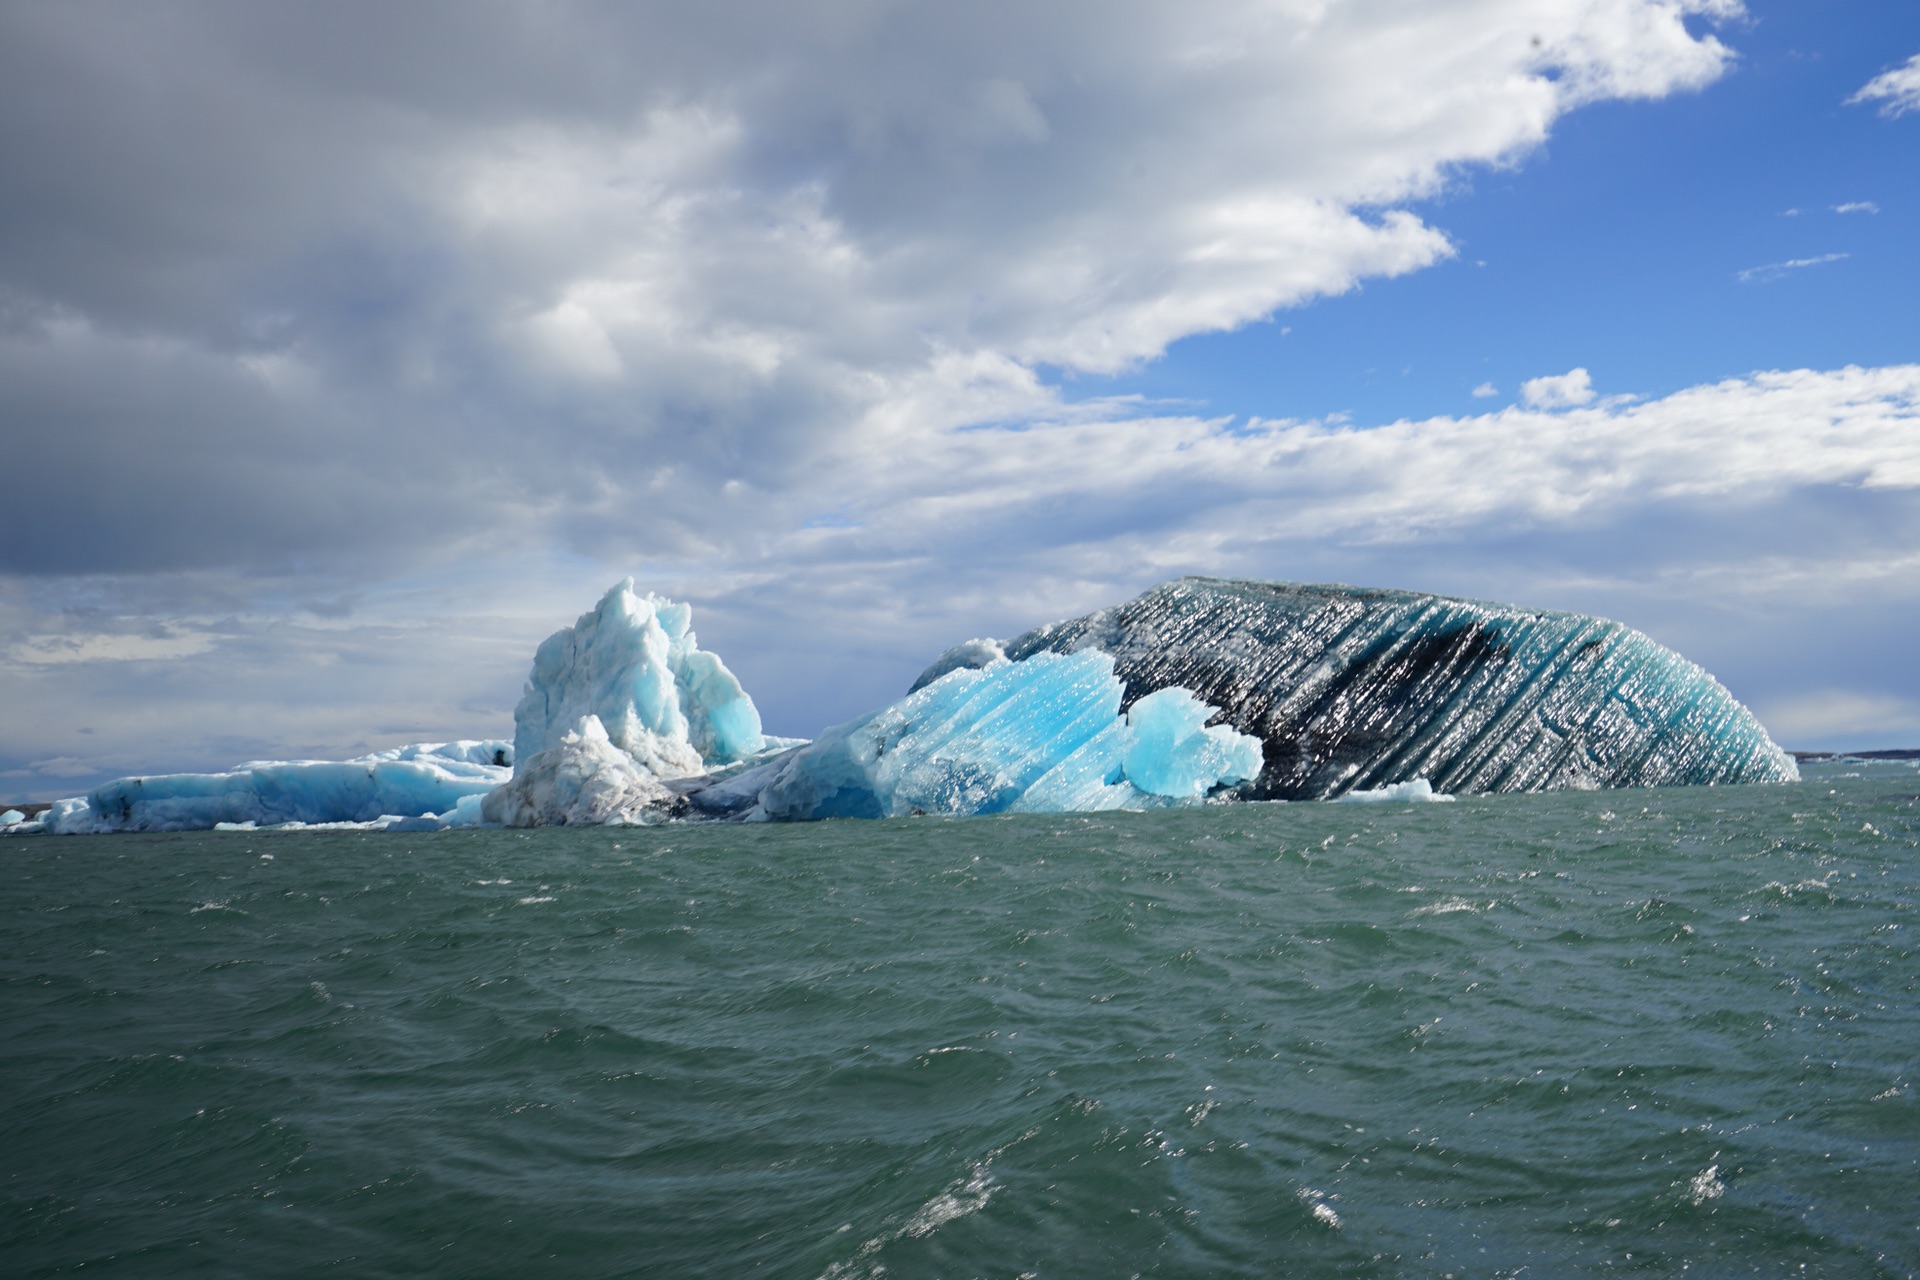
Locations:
(1352, 689)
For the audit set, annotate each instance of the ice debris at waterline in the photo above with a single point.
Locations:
(1351, 689)
(429, 784)
(1198, 690)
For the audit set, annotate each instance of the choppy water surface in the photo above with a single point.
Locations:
(1551, 1035)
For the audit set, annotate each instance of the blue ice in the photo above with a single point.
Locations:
(634, 662)
(433, 778)
(1041, 736)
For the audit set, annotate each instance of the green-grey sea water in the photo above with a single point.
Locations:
(1576, 1034)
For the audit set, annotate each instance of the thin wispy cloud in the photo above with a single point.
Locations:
(1857, 206)
(1775, 270)
(1485, 390)
(1897, 91)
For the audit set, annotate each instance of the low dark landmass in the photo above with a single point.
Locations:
(31, 810)
(1894, 753)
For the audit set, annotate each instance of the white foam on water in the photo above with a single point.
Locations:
(962, 1197)
(1323, 1212)
(1449, 906)
(1414, 791)
(1706, 1185)
(968, 1195)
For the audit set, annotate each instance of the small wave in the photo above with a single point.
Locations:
(1788, 890)
(965, 1196)
(969, 1195)
(528, 902)
(1449, 906)
(1322, 1211)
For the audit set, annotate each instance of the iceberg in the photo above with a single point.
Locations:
(442, 781)
(1351, 689)
(1043, 736)
(619, 707)
(622, 713)
(1199, 690)
(632, 662)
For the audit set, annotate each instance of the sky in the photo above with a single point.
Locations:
(347, 350)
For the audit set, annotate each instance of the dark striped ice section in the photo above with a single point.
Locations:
(1351, 689)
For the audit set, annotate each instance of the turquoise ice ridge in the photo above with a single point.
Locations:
(1042, 736)
(433, 784)
(1358, 690)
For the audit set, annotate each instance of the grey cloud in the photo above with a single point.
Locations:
(516, 262)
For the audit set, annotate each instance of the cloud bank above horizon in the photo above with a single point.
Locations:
(359, 276)
(335, 337)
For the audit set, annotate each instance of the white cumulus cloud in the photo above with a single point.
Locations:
(1559, 391)
(1897, 91)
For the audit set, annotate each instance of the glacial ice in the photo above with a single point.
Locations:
(1042, 736)
(1198, 689)
(428, 778)
(1418, 791)
(618, 706)
(1354, 690)
(582, 780)
(633, 663)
